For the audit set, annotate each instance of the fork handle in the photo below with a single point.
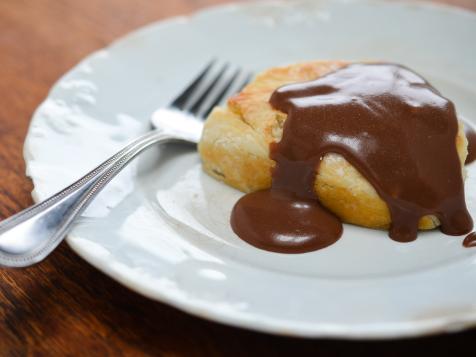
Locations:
(30, 235)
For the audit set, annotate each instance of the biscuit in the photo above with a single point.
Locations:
(234, 148)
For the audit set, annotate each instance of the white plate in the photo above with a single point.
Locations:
(162, 228)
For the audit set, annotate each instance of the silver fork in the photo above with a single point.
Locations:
(30, 235)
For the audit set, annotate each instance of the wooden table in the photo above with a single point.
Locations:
(63, 305)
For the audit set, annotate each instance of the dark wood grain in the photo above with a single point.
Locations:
(63, 306)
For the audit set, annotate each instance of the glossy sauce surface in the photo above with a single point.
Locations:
(386, 121)
(470, 240)
(279, 221)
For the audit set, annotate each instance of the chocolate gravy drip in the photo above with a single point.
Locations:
(390, 124)
(471, 136)
(470, 240)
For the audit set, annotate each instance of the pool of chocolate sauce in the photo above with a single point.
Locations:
(385, 120)
(280, 221)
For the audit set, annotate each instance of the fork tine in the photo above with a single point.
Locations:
(181, 100)
(197, 103)
(218, 95)
(234, 85)
(246, 80)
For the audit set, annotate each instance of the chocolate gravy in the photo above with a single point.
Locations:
(280, 221)
(471, 136)
(386, 121)
(470, 240)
